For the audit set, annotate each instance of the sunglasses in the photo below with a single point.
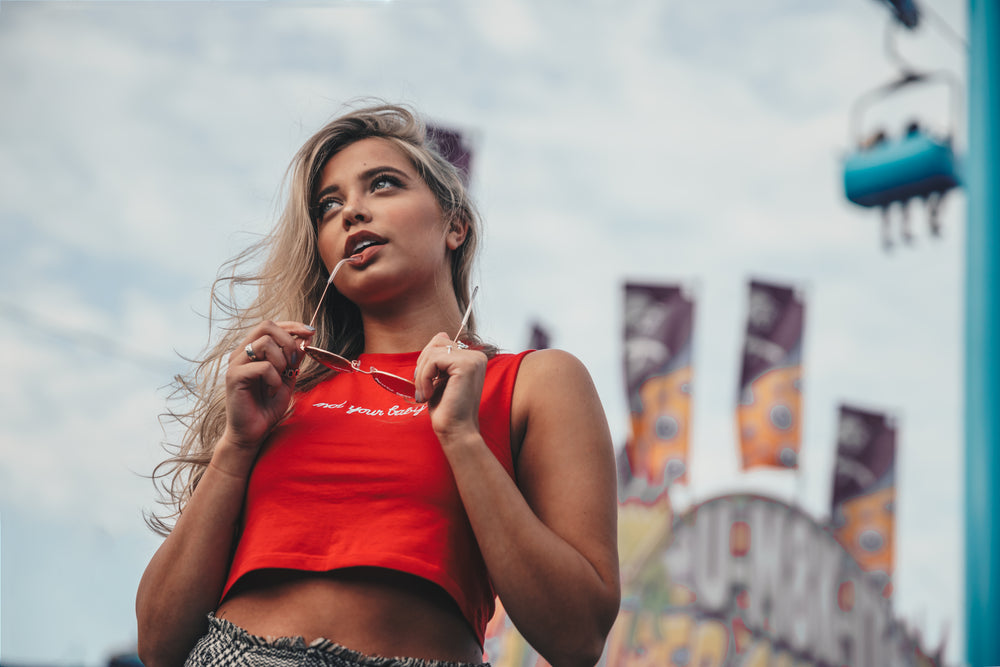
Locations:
(399, 386)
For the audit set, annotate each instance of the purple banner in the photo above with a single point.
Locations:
(658, 325)
(540, 338)
(769, 409)
(454, 147)
(862, 513)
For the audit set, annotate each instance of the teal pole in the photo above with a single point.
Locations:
(982, 340)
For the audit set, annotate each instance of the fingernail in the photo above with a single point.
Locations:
(418, 396)
(312, 329)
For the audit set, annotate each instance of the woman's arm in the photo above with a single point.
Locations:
(185, 577)
(549, 542)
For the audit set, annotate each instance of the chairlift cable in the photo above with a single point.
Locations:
(892, 52)
(946, 28)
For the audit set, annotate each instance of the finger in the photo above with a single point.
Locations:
(290, 336)
(424, 360)
(297, 329)
(259, 379)
(432, 367)
(301, 334)
(277, 342)
(266, 349)
(265, 353)
(293, 345)
(272, 382)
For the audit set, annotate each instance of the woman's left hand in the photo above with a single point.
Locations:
(450, 380)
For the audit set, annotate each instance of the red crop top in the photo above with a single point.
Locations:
(356, 477)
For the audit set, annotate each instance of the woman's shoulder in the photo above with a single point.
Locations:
(541, 372)
(556, 407)
(550, 355)
(529, 363)
(551, 360)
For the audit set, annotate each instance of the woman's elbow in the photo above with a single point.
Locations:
(586, 646)
(585, 650)
(610, 607)
(153, 654)
(149, 656)
(607, 603)
(606, 613)
(161, 643)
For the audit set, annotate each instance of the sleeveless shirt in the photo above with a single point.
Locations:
(355, 476)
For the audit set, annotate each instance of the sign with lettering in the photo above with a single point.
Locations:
(749, 581)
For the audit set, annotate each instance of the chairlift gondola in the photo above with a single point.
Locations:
(884, 169)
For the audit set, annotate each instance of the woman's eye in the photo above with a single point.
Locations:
(383, 181)
(325, 206)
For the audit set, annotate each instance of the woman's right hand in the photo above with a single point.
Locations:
(259, 389)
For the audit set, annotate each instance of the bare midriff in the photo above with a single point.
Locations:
(370, 610)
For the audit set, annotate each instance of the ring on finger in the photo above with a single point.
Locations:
(448, 347)
(250, 353)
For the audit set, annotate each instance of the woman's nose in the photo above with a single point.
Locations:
(355, 212)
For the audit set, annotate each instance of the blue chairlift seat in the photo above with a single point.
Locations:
(899, 169)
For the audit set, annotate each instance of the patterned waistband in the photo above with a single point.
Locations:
(238, 637)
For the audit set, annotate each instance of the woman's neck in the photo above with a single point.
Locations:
(408, 329)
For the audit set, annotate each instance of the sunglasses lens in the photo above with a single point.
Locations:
(397, 385)
(329, 359)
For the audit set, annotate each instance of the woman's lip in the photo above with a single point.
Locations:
(360, 238)
(365, 255)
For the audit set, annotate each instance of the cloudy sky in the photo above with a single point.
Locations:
(143, 144)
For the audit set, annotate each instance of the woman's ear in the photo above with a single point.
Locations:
(457, 232)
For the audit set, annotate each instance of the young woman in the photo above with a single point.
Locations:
(359, 491)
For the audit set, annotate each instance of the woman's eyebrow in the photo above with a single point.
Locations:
(374, 171)
(330, 189)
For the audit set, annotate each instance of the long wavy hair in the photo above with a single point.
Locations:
(286, 272)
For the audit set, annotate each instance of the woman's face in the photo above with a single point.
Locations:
(370, 201)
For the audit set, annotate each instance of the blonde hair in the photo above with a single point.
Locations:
(290, 290)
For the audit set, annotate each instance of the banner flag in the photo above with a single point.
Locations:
(454, 147)
(540, 338)
(862, 509)
(769, 407)
(658, 324)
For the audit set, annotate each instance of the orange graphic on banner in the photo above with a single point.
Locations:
(867, 533)
(659, 442)
(770, 426)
